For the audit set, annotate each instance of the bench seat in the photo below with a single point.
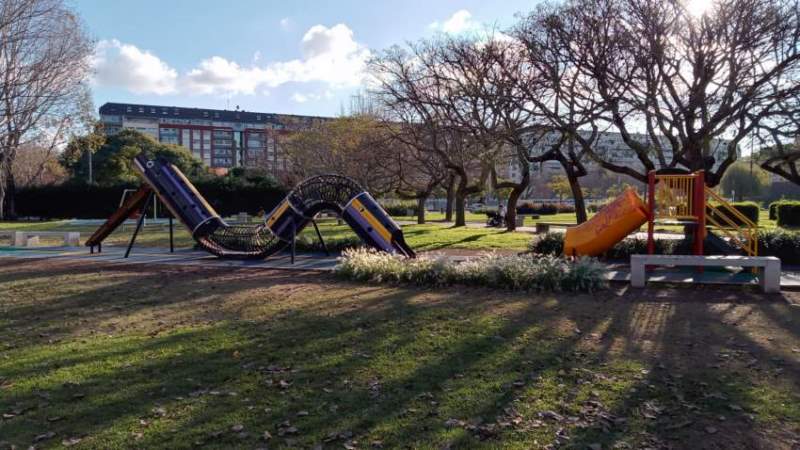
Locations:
(29, 238)
(769, 274)
(544, 227)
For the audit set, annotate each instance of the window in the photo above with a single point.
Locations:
(141, 109)
(129, 109)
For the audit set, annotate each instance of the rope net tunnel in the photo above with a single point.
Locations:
(333, 193)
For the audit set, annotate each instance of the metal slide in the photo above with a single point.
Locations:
(334, 193)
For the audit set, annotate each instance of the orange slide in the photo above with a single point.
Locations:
(609, 226)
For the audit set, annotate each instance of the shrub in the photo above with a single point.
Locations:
(84, 201)
(788, 213)
(773, 210)
(400, 208)
(544, 208)
(312, 244)
(553, 244)
(780, 243)
(748, 209)
(549, 244)
(517, 272)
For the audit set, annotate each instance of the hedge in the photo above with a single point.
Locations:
(82, 201)
(401, 208)
(787, 213)
(748, 209)
(782, 244)
(544, 208)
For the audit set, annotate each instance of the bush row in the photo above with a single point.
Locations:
(779, 243)
(517, 272)
(83, 201)
(748, 209)
(544, 208)
(401, 208)
(786, 212)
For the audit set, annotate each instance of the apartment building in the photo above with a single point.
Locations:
(220, 138)
(610, 146)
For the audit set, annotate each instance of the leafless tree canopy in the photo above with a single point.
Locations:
(43, 63)
(652, 66)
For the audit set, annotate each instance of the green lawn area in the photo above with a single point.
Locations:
(421, 237)
(101, 357)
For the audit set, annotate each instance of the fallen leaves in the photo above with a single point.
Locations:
(44, 436)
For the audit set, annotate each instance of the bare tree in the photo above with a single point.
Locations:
(415, 93)
(43, 63)
(345, 145)
(685, 81)
(414, 170)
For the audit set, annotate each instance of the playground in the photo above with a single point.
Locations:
(220, 334)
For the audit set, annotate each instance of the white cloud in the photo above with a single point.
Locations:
(300, 98)
(459, 22)
(285, 23)
(125, 65)
(330, 55)
(217, 75)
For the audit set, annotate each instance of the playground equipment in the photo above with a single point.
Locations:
(682, 200)
(333, 193)
(610, 225)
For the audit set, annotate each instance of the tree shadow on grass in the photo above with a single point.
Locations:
(388, 363)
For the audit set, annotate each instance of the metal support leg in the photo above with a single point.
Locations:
(319, 235)
(138, 226)
(99, 247)
(171, 236)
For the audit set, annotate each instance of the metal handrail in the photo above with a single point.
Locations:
(749, 229)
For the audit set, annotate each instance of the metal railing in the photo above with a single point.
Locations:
(743, 233)
(674, 196)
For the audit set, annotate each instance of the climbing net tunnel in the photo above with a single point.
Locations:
(332, 193)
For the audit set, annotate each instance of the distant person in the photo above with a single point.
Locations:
(501, 213)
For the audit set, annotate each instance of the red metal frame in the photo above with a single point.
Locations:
(651, 208)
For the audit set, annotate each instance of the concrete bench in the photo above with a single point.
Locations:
(769, 267)
(29, 238)
(544, 227)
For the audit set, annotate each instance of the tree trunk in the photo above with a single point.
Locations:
(2, 199)
(513, 198)
(461, 219)
(421, 209)
(461, 201)
(10, 195)
(577, 195)
(3, 185)
(448, 208)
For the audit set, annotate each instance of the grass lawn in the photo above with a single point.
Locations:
(421, 237)
(100, 357)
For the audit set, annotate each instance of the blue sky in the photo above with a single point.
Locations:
(297, 57)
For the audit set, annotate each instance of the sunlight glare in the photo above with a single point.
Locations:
(698, 7)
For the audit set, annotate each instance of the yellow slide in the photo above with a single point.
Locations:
(609, 226)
